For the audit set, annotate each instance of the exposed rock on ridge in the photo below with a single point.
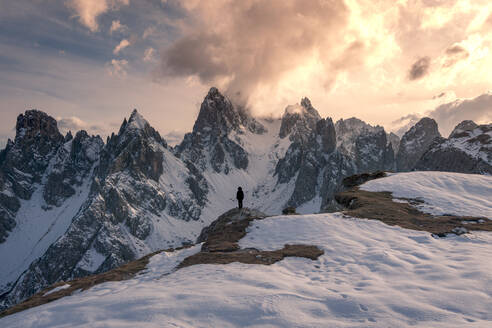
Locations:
(467, 150)
(415, 143)
(209, 145)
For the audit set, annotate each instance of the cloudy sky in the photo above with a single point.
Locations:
(90, 62)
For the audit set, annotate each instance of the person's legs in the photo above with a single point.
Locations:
(240, 201)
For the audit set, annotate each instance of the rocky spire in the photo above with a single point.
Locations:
(38, 129)
(134, 148)
(209, 143)
(467, 150)
(299, 120)
(326, 131)
(217, 115)
(415, 143)
(23, 162)
(463, 127)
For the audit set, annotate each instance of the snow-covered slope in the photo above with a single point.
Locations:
(36, 230)
(371, 275)
(44, 180)
(441, 192)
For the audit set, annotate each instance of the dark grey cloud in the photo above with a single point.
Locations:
(442, 94)
(455, 49)
(419, 69)
(454, 54)
(448, 115)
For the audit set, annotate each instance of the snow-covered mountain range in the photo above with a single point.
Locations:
(369, 274)
(71, 206)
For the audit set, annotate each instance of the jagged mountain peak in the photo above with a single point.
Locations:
(214, 92)
(136, 125)
(348, 130)
(217, 101)
(304, 108)
(425, 122)
(299, 120)
(137, 120)
(468, 149)
(217, 114)
(35, 123)
(306, 103)
(68, 136)
(464, 126)
(354, 125)
(214, 139)
(425, 125)
(310, 110)
(37, 139)
(415, 143)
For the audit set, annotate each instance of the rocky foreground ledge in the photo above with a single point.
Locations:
(402, 212)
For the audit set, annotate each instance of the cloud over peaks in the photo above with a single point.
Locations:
(478, 109)
(243, 45)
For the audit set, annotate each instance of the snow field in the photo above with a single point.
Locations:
(442, 192)
(35, 231)
(371, 275)
(261, 192)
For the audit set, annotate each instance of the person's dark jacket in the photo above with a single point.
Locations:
(240, 195)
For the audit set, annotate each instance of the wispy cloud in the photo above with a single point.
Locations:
(122, 45)
(74, 124)
(450, 114)
(149, 55)
(478, 109)
(117, 68)
(174, 137)
(88, 10)
(148, 32)
(454, 54)
(117, 26)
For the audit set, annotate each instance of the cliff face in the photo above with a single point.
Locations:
(467, 150)
(415, 143)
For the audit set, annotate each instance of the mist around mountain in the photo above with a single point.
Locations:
(71, 206)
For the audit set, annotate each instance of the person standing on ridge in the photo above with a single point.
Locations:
(240, 197)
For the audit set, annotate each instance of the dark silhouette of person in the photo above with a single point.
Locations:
(240, 197)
